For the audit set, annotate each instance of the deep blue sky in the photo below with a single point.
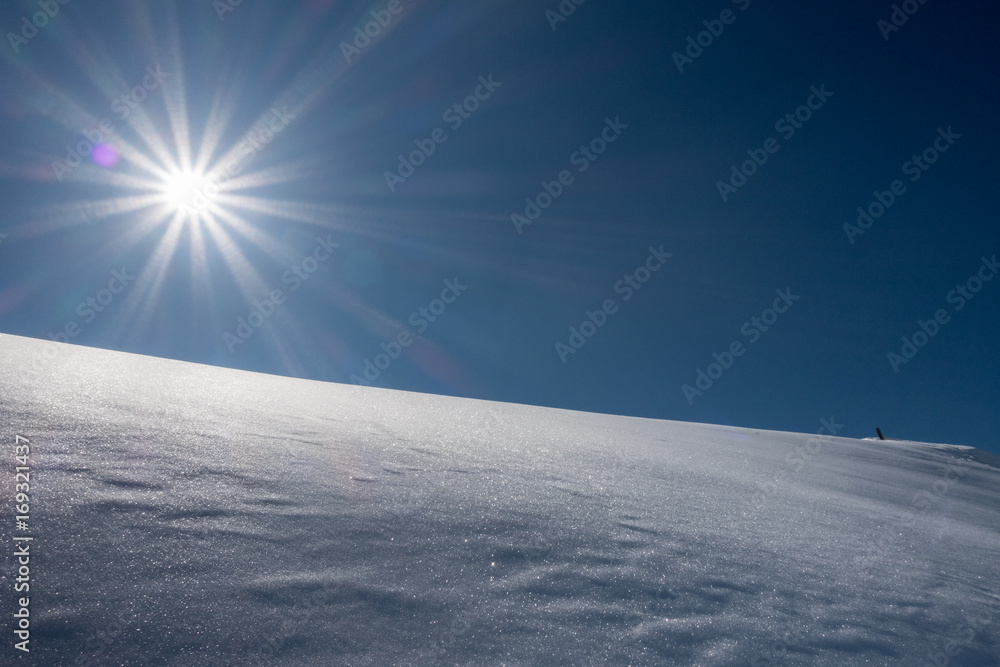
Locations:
(656, 184)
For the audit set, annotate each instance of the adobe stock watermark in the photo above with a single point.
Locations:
(223, 7)
(922, 503)
(258, 138)
(627, 286)
(435, 654)
(21, 556)
(94, 139)
(300, 615)
(420, 320)
(714, 28)
(915, 167)
(779, 649)
(29, 28)
(959, 297)
(963, 637)
(900, 14)
(97, 644)
(562, 12)
(581, 158)
(752, 329)
(787, 126)
(455, 116)
(797, 457)
(925, 501)
(363, 36)
(294, 277)
(89, 308)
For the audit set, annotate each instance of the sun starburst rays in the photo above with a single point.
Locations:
(195, 196)
(183, 204)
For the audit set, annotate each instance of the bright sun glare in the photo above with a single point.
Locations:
(189, 193)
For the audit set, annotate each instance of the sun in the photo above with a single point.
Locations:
(189, 193)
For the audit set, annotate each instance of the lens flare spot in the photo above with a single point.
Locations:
(104, 155)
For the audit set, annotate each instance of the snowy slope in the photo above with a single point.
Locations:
(188, 515)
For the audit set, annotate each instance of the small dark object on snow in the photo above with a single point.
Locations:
(879, 431)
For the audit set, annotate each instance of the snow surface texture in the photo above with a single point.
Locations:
(189, 515)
